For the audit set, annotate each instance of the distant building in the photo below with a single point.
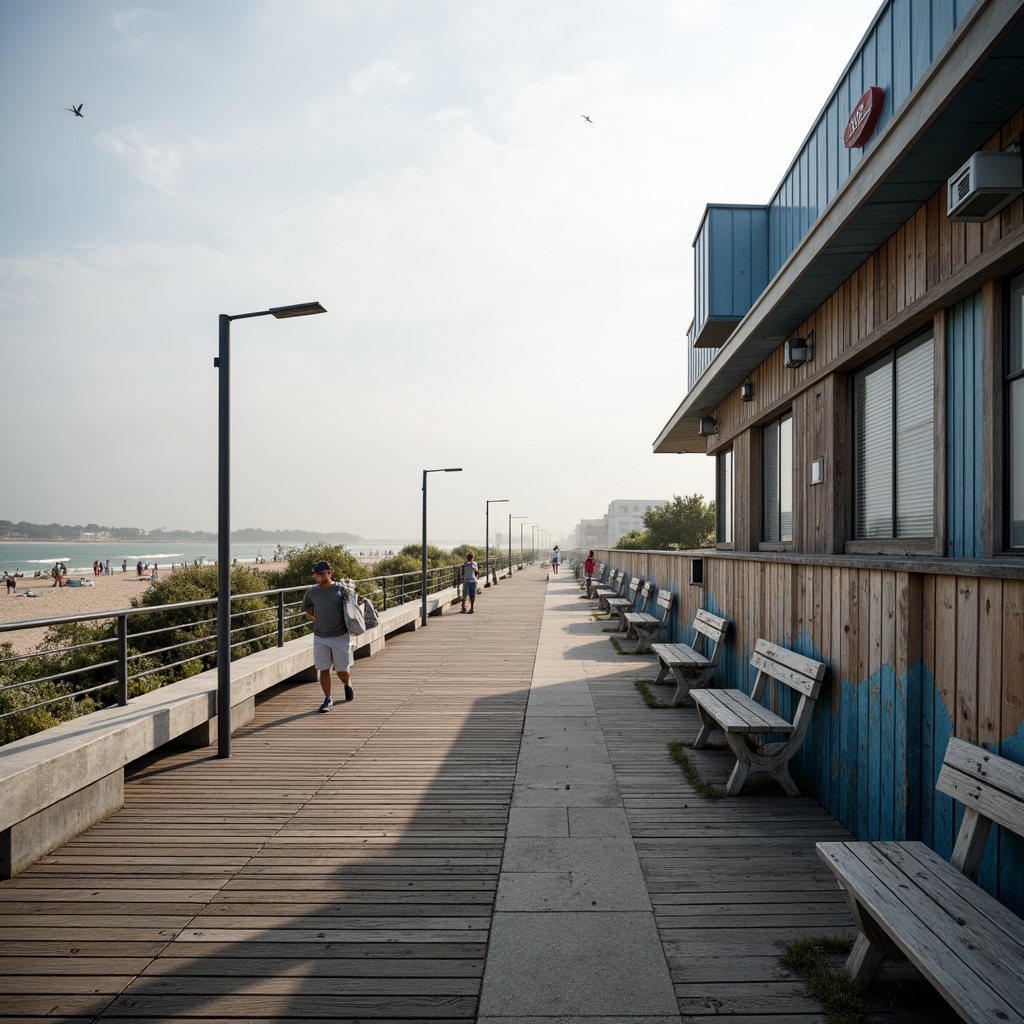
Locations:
(624, 515)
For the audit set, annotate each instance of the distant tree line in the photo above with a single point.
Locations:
(61, 531)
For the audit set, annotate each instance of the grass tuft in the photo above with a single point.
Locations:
(820, 963)
(643, 687)
(677, 748)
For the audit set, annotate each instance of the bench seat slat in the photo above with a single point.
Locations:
(735, 712)
(680, 654)
(968, 944)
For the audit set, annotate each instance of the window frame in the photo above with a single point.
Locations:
(783, 543)
(1012, 380)
(893, 544)
(725, 511)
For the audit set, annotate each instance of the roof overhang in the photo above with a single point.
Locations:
(966, 96)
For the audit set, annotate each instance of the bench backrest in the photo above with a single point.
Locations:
(710, 630)
(663, 604)
(990, 788)
(613, 579)
(632, 591)
(644, 598)
(793, 670)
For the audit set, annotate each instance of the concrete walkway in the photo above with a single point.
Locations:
(574, 934)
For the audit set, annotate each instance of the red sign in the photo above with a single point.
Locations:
(864, 117)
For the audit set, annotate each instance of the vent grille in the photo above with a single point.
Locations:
(983, 186)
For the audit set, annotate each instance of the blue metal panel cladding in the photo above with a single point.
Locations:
(897, 50)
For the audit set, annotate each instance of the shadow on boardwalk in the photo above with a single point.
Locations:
(344, 866)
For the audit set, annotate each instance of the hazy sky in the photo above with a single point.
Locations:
(508, 285)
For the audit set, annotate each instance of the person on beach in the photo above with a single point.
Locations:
(324, 603)
(124, 565)
(138, 569)
(556, 558)
(12, 583)
(588, 571)
(470, 572)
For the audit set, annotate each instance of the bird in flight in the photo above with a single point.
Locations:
(584, 116)
(77, 111)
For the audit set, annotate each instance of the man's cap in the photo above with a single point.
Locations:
(322, 567)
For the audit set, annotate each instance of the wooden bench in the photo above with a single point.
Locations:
(690, 667)
(904, 895)
(746, 722)
(647, 627)
(630, 601)
(616, 585)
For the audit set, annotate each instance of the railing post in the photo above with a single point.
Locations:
(122, 660)
(280, 618)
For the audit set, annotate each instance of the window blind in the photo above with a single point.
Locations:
(873, 451)
(914, 441)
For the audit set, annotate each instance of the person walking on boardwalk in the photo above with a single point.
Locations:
(324, 603)
(556, 558)
(588, 571)
(470, 572)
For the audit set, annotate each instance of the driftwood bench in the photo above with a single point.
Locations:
(636, 592)
(746, 722)
(904, 895)
(688, 666)
(603, 591)
(647, 626)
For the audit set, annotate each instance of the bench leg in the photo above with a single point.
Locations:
(772, 764)
(707, 726)
(644, 639)
(870, 948)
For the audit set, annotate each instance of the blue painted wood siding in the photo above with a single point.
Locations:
(894, 54)
(964, 484)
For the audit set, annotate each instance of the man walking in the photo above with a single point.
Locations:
(324, 603)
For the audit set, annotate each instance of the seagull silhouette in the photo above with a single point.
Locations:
(584, 116)
(77, 111)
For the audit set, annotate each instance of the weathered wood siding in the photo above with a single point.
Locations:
(914, 657)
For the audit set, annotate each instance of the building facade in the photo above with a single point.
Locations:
(623, 516)
(856, 369)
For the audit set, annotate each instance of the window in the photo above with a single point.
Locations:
(724, 499)
(777, 445)
(894, 445)
(1015, 412)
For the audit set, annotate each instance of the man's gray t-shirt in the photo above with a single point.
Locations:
(329, 605)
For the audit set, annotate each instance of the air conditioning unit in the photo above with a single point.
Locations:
(983, 186)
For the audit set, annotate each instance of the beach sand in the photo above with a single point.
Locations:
(108, 594)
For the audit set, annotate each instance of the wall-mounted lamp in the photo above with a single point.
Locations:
(708, 426)
(796, 351)
(747, 392)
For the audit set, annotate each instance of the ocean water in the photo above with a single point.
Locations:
(28, 556)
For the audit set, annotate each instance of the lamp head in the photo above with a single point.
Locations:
(300, 309)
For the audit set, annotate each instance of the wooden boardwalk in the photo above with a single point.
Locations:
(343, 867)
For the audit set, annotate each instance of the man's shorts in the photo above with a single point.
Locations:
(469, 588)
(336, 650)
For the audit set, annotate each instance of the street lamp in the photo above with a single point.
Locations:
(510, 518)
(423, 552)
(487, 539)
(533, 541)
(223, 364)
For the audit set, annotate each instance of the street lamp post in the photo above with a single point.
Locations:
(487, 539)
(423, 552)
(223, 364)
(533, 540)
(510, 518)
(522, 560)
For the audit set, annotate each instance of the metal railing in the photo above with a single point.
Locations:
(99, 659)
